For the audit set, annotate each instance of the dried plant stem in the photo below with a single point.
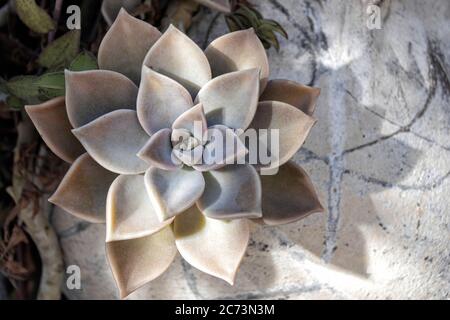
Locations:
(37, 225)
(56, 15)
(47, 244)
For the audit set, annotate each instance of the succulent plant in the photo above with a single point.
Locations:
(128, 130)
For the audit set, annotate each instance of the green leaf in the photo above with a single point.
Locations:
(256, 12)
(244, 20)
(61, 52)
(276, 27)
(34, 89)
(251, 13)
(266, 44)
(233, 23)
(23, 87)
(14, 103)
(269, 37)
(84, 61)
(34, 17)
(50, 85)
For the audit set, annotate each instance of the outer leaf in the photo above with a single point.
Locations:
(288, 195)
(239, 50)
(129, 211)
(211, 245)
(34, 17)
(176, 56)
(61, 52)
(113, 140)
(93, 93)
(111, 8)
(138, 261)
(84, 61)
(50, 120)
(292, 124)
(300, 96)
(134, 37)
(84, 189)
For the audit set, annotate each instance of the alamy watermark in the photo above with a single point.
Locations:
(373, 21)
(73, 281)
(74, 20)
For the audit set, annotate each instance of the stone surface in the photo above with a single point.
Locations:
(378, 156)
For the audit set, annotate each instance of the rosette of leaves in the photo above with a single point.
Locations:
(128, 130)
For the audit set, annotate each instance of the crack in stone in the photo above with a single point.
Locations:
(437, 61)
(334, 201)
(336, 165)
(315, 27)
(394, 123)
(407, 128)
(337, 170)
(310, 155)
(335, 162)
(426, 187)
(379, 115)
(281, 8)
(396, 67)
(381, 224)
(306, 42)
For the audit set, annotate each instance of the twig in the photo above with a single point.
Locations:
(36, 223)
(56, 15)
(47, 244)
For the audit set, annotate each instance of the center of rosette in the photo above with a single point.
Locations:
(186, 147)
(183, 140)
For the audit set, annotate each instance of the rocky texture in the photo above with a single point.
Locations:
(378, 156)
